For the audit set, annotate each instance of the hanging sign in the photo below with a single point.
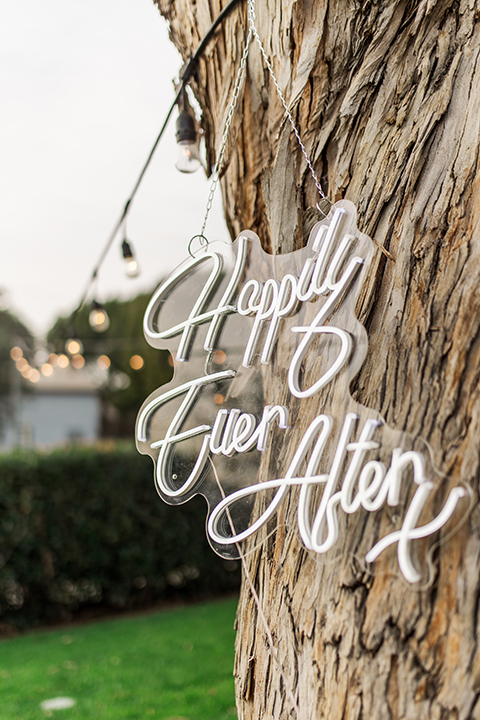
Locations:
(265, 349)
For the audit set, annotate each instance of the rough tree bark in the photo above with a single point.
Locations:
(387, 98)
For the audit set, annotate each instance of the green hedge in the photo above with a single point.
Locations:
(84, 527)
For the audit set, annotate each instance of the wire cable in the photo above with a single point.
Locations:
(190, 69)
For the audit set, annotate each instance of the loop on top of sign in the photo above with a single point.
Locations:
(203, 244)
(324, 206)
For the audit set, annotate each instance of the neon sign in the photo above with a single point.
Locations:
(258, 347)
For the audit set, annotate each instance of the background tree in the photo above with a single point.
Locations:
(12, 333)
(386, 97)
(127, 387)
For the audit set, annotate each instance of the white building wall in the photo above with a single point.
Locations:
(54, 419)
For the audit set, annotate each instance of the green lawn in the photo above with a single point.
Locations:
(175, 664)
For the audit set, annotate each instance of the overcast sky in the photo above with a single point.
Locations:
(84, 89)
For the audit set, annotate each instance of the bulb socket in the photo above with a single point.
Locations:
(127, 250)
(186, 131)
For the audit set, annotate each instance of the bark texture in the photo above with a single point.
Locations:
(387, 98)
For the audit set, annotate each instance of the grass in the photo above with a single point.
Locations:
(174, 665)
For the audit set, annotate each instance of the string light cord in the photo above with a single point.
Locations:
(189, 71)
(126, 209)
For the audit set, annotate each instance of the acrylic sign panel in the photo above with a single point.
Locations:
(260, 343)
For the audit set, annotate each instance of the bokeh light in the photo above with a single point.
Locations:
(47, 370)
(103, 362)
(78, 361)
(63, 361)
(136, 362)
(16, 353)
(219, 357)
(73, 346)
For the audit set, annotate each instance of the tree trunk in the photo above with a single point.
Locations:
(386, 96)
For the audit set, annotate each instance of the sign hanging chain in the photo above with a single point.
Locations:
(253, 29)
(221, 154)
(252, 32)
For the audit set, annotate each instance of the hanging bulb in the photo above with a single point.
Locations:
(188, 157)
(131, 265)
(98, 318)
(73, 346)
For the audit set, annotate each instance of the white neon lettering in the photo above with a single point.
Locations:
(287, 303)
(217, 431)
(173, 436)
(282, 486)
(369, 483)
(263, 311)
(360, 448)
(324, 241)
(270, 412)
(295, 365)
(316, 326)
(252, 290)
(326, 515)
(240, 433)
(227, 444)
(186, 327)
(409, 532)
(243, 431)
(354, 480)
(224, 306)
(198, 315)
(327, 503)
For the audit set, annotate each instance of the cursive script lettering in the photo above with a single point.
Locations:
(349, 472)
(321, 535)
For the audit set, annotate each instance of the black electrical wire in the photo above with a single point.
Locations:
(190, 69)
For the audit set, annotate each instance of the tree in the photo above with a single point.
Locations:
(386, 98)
(127, 386)
(12, 333)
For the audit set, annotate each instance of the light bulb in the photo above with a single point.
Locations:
(131, 265)
(73, 346)
(98, 318)
(132, 268)
(188, 157)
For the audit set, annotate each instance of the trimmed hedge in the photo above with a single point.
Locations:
(84, 527)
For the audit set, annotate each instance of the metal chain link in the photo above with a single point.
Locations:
(228, 121)
(253, 29)
(252, 32)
